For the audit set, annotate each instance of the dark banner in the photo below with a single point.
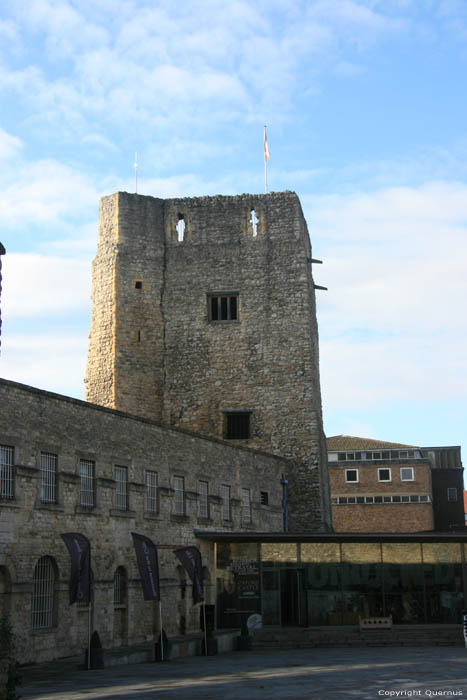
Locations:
(148, 565)
(79, 548)
(190, 559)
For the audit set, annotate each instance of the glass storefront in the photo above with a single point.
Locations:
(336, 583)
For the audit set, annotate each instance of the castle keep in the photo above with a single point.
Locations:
(204, 319)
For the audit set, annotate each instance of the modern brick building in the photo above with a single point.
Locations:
(379, 486)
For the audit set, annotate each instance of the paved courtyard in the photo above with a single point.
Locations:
(305, 673)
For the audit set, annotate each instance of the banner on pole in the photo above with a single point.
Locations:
(79, 548)
(148, 565)
(190, 559)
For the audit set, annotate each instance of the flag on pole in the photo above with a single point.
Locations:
(266, 147)
(148, 565)
(190, 559)
(79, 548)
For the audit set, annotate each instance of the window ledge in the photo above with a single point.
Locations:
(224, 323)
(175, 518)
(152, 516)
(117, 513)
(49, 506)
(86, 510)
(9, 503)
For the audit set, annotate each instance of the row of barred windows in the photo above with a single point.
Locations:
(87, 487)
(44, 603)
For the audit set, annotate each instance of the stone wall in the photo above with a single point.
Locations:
(154, 352)
(34, 422)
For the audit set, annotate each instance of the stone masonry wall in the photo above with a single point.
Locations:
(153, 351)
(34, 421)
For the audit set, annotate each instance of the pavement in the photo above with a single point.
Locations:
(361, 674)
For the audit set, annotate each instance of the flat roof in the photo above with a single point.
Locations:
(225, 536)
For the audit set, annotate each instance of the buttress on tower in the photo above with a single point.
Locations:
(204, 318)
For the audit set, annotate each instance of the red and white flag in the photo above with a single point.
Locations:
(266, 148)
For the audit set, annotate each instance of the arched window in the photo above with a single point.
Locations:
(120, 587)
(43, 594)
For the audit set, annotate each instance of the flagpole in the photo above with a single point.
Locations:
(266, 156)
(162, 639)
(89, 633)
(205, 631)
(136, 173)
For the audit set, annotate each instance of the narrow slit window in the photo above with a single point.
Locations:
(180, 227)
(254, 221)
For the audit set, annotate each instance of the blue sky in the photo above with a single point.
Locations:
(366, 107)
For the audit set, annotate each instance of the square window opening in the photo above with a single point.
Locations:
(237, 425)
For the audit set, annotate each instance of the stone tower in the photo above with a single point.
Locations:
(204, 318)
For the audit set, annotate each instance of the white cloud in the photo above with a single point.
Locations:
(9, 145)
(39, 286)
(53, 361)
(391, 324)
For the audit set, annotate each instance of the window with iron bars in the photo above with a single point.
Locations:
(120, 587)
(237, 425)
(225, 495)
(223, 307)
(87, 477)
(43, 594)
(121, 491)
(179, 495)
(7, 486)
(151, 492)
(48, 490)
(203, 503)
(246, 505)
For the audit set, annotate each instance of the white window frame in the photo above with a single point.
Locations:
(48, 469)
(43, 594)
(203, 503)
(121, 487)
(407, 469)
(351, 481)
(7, 482)
(178, 507)
(152, 505)
(245, 495)
(385, 469)
(87, 489)
(225, 508)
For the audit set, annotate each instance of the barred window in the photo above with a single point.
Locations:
(48, 465)
(203, 503)
(43, 595)
(120, 587)
(121, 492)
(225, 495)
(7, 487)
(151, 492)
(87, 477)
(264, 498)
(237, 425)
(246, 506)
(179, 495)
(223, 307)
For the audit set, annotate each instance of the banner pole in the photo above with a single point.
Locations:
(162, 639)
(89, 634)
(205, 631)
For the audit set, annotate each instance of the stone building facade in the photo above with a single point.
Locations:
(69, 466)
(204, 318)
(379, 486)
